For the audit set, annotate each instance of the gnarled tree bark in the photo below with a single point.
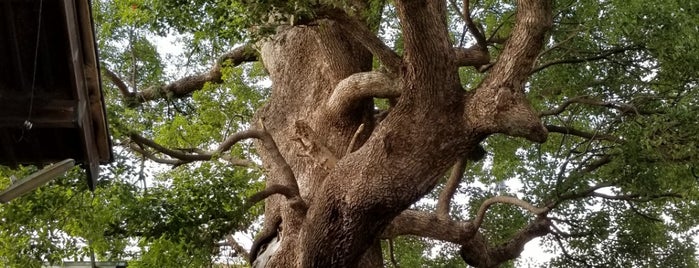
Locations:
(340, 175)
(323, 92)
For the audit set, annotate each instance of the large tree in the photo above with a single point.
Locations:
(342, 170)
(586, 109)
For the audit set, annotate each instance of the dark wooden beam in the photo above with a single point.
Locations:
(82, 94)
(49, 113)
(15, 47)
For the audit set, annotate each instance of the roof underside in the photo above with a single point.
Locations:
(53, 83)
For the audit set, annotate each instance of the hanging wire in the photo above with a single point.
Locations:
(27, 123)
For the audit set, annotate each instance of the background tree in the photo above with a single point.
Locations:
(586, 110)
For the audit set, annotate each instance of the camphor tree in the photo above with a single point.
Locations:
(593, 107)
(588, 108)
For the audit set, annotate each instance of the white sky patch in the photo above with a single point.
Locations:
(169, 48)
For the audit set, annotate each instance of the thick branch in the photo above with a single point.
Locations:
(351, 90)
(450, 188)
(472, 56)
(425, 224)
(513, 67)
(185, 86)
(270, 190)
(514, 247)
(475, 249)
(360, 32)
(499, 104)
(240, 250)
(118, 82)
(601, 55)
(583, 134)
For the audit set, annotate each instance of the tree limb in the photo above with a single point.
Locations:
(450, 187)
(583, 134)
(575, 195)
(499, 104)
(184, 86)
(289, 179)
(635, 197)
(514, 247)
(151, 156)
(624, 108)
(480, 216)
(118, 82)
(601, 55)
(532, 21)
(472, 56)
(181, 156)
(475, 249)
(360, 32)
(230, 240)
(284, 190)
(425, 224)
(605, 159)
(359, 86)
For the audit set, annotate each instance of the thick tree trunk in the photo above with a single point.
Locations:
(346, 173)
(305, 64)
(357, 171)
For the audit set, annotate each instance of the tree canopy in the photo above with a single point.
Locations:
(606, 176)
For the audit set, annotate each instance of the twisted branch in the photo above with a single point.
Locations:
(185, 86)
(506, 200)
(450, 188)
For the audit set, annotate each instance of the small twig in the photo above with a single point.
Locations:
(557, 45)
(645, 216)
(569, 235)
(391, 252)
(183, 156)
(601, 55)
(565, 252)
(635, 197)
(624, 108)
(466, 16)
(350, 147)
(577, 195)
(568, 222)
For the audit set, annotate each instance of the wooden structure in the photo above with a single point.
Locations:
(51, 104)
